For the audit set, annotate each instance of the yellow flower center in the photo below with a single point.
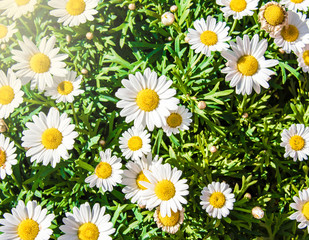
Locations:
(297, 1)
(289, 33)
(297, 143)
(22, 2)
(88, 231)
(3, 31)
(51, 138)
(170, 221)
(165, 190)
(6, 95)
(39, 63)
(247, 65)
(217, 199)
(147, 100)
(305, 210)
(141, 177)
(65, 88)
(174, 120)
(28, 229)
(103, 170)
(135, 143)
(2, 158)
(274, 15)
(209, 38)
(306, 57)
(75, 7)
(238, 5)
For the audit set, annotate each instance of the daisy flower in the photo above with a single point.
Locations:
(7, 156)
(303, 58)
(217, 199)
(73, 12)
(49, 137)
(10, 94)
(39, 64)
(169, 224)
(208, 36)
(64, 89)
(146, 99)
(165, 189)
(6, 32)
(134, 174)
(107, 173)
(238, 8)
(179, 119)
(295, 35)
(26, 222)
(86, 223)
(16, 8)
(246, 65)
(301, 204)
(134, 143)
(294, 5)
(295, 141)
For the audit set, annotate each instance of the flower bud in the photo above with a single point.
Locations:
(248, 196)
(102, 142)
(3, 46)
(141, 206)
(245, 115)
(68, 38)
(213, 149)
(169, 38)
(281, 51)
(89, 35)
(167, 18)
(3, 126)
(173, 8)
(132, 6)
(84, 71)
(201, 105)
(257, 212)
(187, 39)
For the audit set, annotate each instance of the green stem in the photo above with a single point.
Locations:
(34, 101)
(25, 25)
(74, 114)
(233, 26)
(46, 7)
(192, 66)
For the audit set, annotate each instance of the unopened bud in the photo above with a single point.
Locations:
(102, 142)
(173, 8)
(193, 98)
(257, 212)
(84, 71)
(89, 35)
(245, 115)
(132, 6)
(141, 206)
(213, 149)
(68, 38)
(281, 51)
(201, 105)
(248, 196)
(187, 39)
(167, 18)
(3, 126)
(169, 38)
(3, 46)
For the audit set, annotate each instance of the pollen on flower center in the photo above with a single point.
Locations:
(290, 33)
(165, 190)
(22, 2)
(3, 31)
(247, 65)
(297, 1)
(274, 15)
(147, 100)
(88, 231)
(306, 57)
(217, 199)
(51, 138)
(209, 38)
(170, 221)
(103, 170)
(39, 63)
(75, 7)
(141, 177)
(6, 95)
(297, 143)
(238, 5)
(2, 158)
(65, 88)
(28, 229)
(135, 143)
(174, 120)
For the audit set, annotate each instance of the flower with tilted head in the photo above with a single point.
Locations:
(238, 8)
(49, 137)
(134, 174)
(64, 89)
(217, 199)
(146, 99)
(246, 65)
(10, 94)
(165, 189)
(294, 5)
(295, 141)
(169, 224)
(134, 143)
(87, 224)
(28, 222)
(39, 64)
(6, 32)
(73, 12)
(16, 8)
(208, 36)
(107, 173)
(7, 156)
(303, 58)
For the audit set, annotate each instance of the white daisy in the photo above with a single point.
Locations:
(6, 32)
(39, 64)
(179, 119)
(73, 12)
(295, 35)
(49, 137)
(16, 8)
(294, 5)
(10, 94)
(107, 173)
(246, 65)
(217, 199)
(296, 142)
(134, 143)
(165, 189)
(169, 224)
(134, 174)
(208, 36)
(26, 222)
(64, 89)
(86, 224)
(238, 8)
(146, 99)
(7, 156)
(303, 58)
